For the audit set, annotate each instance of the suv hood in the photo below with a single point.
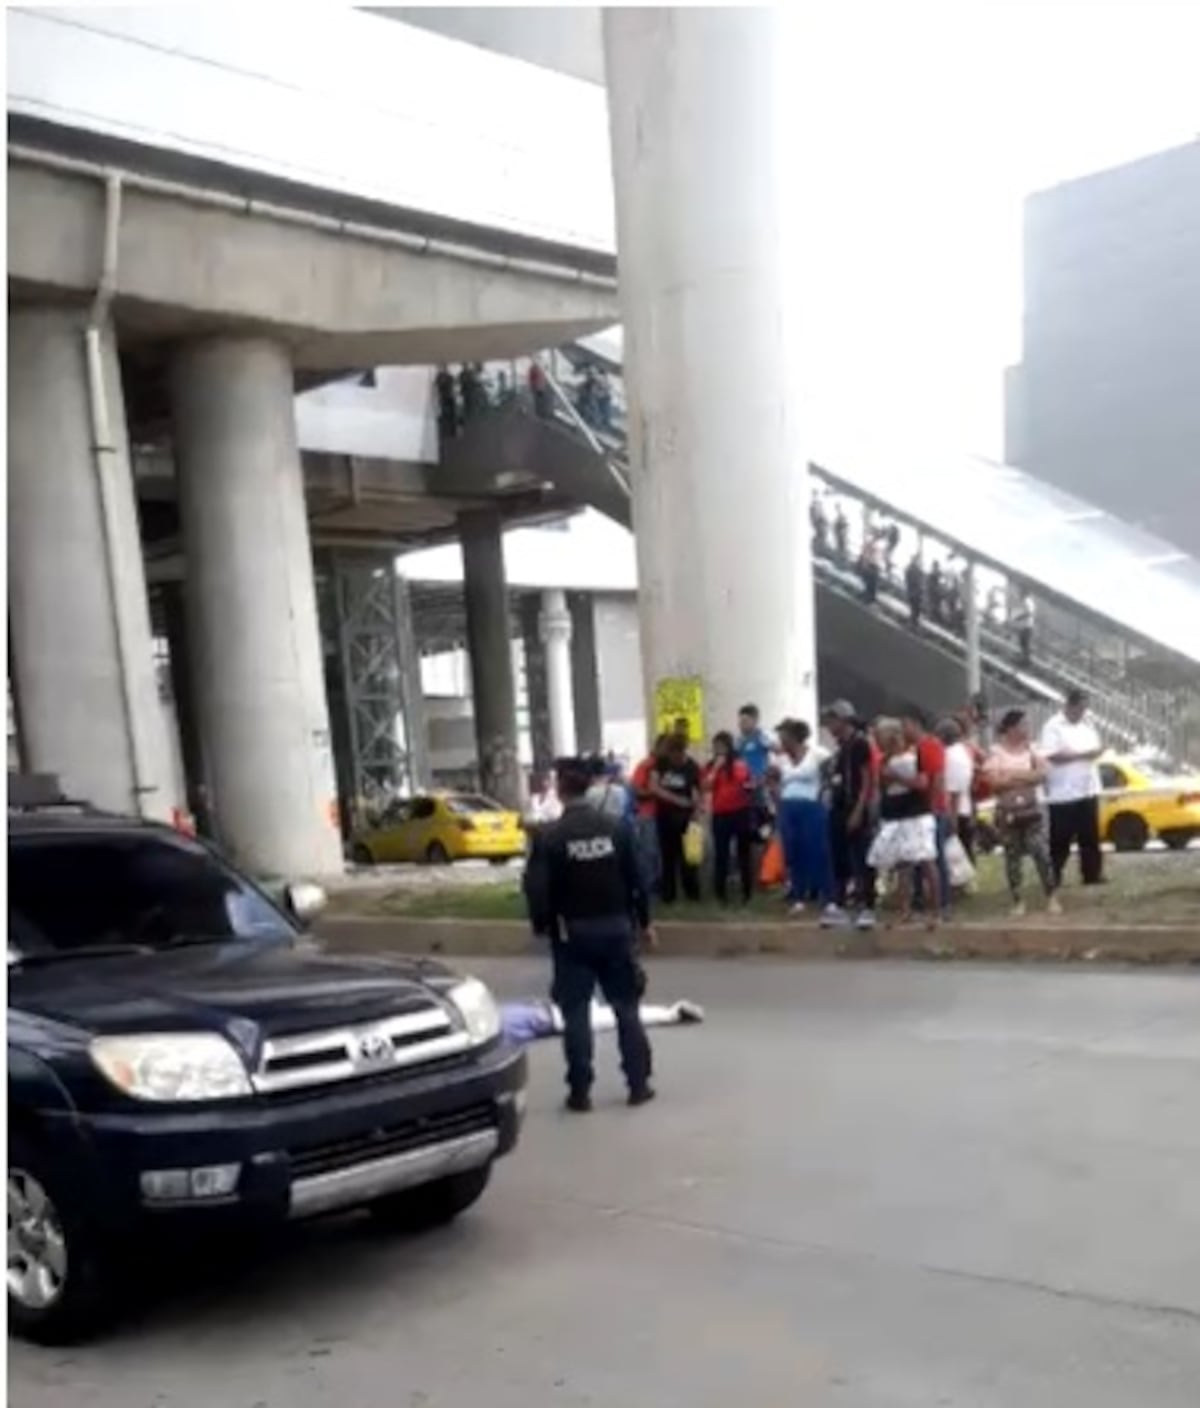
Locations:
(246, 991)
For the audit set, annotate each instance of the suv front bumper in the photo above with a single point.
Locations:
(307, 1152)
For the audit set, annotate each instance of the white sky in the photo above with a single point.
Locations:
(932, 122)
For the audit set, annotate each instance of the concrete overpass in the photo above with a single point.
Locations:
(206, 218)
(167, 303)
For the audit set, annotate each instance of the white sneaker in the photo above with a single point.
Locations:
(1018, 910)
(865, 920)
(833, 916)
(797, 910)
(1054, 905)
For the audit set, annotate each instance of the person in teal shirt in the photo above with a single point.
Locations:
(753, 745)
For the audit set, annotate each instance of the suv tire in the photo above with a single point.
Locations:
(434, 1204)
(61, 1296)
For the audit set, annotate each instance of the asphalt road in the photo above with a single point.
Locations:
(864, 1185)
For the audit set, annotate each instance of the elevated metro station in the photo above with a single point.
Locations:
(233, 270)
(1116, 608)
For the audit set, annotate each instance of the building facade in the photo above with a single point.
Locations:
(1105, 403)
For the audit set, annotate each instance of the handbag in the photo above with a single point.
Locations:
(772, 871)
(693, 844)
(1018, 805)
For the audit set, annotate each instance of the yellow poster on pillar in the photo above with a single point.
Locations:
(679, 708)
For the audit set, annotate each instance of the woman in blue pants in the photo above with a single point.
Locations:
(804, 820)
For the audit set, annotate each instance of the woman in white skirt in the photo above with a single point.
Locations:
(907, 837)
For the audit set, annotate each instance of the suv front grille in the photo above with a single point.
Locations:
(357, 1052)
(313, 1159)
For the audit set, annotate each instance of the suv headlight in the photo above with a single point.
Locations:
(478, 1009)
(172, 1066)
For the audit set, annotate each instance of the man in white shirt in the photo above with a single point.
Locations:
(1070, 746)
(959, 775)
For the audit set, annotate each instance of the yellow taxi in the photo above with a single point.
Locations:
(1138, 802)
(439, 827)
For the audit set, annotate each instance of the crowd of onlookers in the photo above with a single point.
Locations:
(836, 815)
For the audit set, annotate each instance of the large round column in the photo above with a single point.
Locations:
(719, 472)
(555, 627)
(82, 648)
(489, 650)
(252, 611)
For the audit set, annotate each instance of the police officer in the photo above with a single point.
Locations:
(584, 892)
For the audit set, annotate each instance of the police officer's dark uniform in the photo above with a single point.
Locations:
(584, 891)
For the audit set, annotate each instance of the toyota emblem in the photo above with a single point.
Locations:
(375, 1048)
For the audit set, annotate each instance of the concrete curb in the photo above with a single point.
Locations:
(1044, 942)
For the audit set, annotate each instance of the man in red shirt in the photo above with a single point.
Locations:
(645, 819)
(931, 765)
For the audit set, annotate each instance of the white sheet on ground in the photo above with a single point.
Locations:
(533, 1018)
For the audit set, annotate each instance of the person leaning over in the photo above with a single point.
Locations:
(675, 783)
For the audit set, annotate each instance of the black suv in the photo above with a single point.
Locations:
(180, 1057)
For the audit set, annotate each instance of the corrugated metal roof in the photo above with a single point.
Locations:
(1049, 538)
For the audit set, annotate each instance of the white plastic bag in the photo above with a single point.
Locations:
(958, 863)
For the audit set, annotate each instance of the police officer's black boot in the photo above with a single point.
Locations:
(641, 1095)
(579, 1102)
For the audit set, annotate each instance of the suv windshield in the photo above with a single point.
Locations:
(77, 893)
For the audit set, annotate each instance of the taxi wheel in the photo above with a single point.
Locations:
(1178, 840)
(1128, 832)
(436, 854)
(362, 855)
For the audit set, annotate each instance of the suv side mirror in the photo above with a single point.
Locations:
(306, 901)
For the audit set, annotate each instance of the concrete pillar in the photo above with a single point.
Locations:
(537, 694)
(489, 649)
(79, 616)
(251, 604)
(585, 672)
(183, 689)
(702, 164)
(555, 629)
